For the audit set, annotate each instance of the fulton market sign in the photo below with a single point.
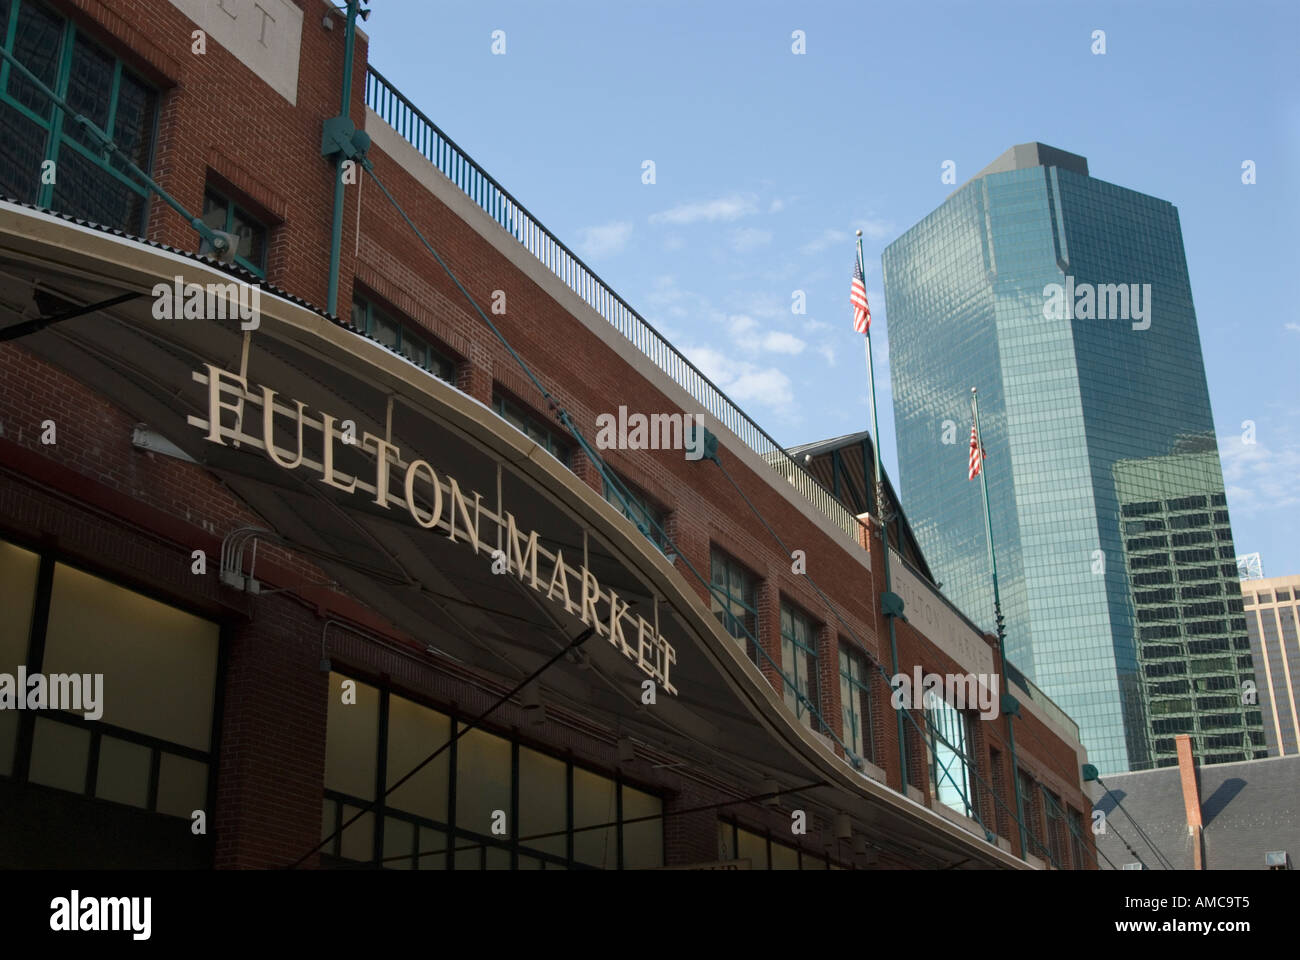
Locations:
(434, 502)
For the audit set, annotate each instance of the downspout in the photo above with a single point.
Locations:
(329, 145)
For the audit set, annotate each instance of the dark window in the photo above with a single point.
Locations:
(222, 213)
(855, 702)
(648, 518)
(401, 335)
(799, 664)
(540, 432)
(32, 132)
(733, 589)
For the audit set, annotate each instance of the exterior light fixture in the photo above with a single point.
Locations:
(534, 708)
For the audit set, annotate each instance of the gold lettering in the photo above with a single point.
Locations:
(562, 578)
(381, 467)
(268, 430)
(458, 505)
(215, 404)
(327, 430)
(528, 556)
(410, 494)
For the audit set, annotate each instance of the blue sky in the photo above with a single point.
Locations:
(767, 161)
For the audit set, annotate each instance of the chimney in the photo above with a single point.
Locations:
(1191, 798)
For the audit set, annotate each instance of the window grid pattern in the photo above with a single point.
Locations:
(799, 665)
(732, 601)
(400, 336)
(489, 802)
(35, 134)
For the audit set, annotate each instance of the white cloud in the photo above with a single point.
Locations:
(745, 239)
(776, 341)
(1259, 477)
(875, 229)
(741, 326)
(743, 381)
(724, 208)
(828, 353)
(776, 206)
(826, 239)
(605, 240)
(1293, 327)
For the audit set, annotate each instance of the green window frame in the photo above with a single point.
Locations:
(34, 131)
(799, 665)
(855, 702)
(602, 821)
(532, 426)
(732, 601)
(400, 335)
(220, 212)
(648, 518)
(950, 774)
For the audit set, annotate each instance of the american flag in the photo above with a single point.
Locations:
(858, 297)
(977, 455)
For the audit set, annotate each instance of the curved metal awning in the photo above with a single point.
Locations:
(724, 716)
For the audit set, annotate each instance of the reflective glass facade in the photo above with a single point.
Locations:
(1081, 412)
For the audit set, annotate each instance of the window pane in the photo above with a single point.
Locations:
(784, 857)
(414, 732)
(431, 841)
(123, 774)
(60, 753)
(383, 329)
(542, 801)
(498, 859)
(399, 835)
(159, 663)
(593, 803)
(252, 238)
(469, 854)
(643, 843)
(752, 847)
(85, 189)
(36, 45)
(183, 786)
(352, 739)
(215, 211)
(482, 781)
(90, 90)
(413, 348)
(135, 120)
(358, 840)
(22, 148)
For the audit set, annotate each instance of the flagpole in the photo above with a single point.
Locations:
(997, 612)
(891, 611)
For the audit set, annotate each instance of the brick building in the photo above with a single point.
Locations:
(309, 550)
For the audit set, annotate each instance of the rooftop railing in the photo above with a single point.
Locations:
(423, 134)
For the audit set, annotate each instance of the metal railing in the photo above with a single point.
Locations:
(440, 150)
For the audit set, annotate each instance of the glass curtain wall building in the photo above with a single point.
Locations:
(1066, 301)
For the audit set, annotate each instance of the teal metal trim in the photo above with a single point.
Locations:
(333, 127)
(220, 244)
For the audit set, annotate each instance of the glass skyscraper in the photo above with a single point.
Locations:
(1066, 301)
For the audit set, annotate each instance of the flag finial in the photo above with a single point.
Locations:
(859, 233)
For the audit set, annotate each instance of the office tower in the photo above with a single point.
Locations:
(1272, 615)
(1066, 301)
